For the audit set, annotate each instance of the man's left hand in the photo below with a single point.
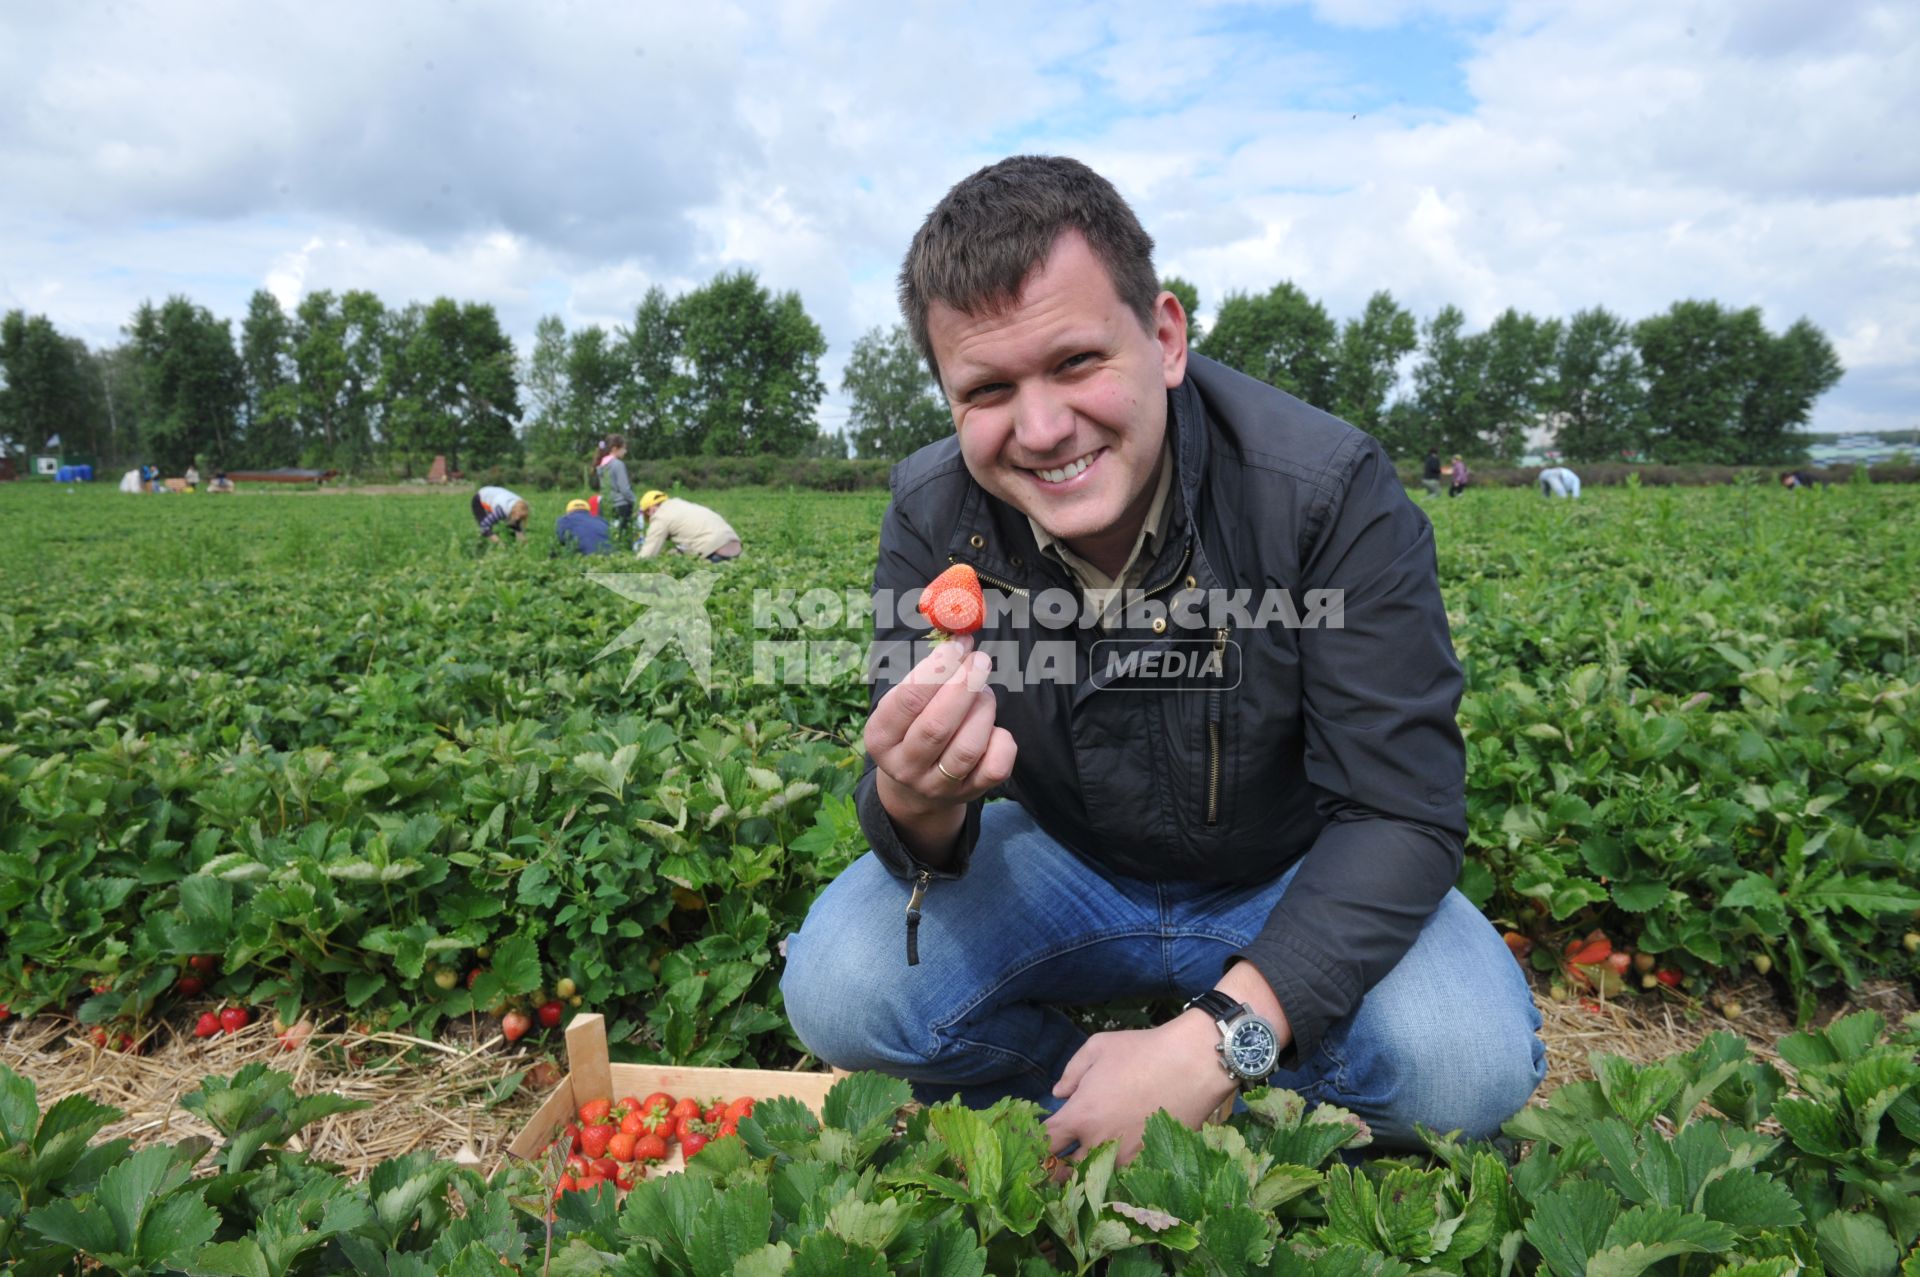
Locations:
(1117, 1080)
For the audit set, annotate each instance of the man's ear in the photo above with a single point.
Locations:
(1170, 331)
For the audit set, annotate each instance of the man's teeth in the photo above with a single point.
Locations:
(1067, 471)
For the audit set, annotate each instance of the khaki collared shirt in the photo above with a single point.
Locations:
(1108, 592)
(692, 529)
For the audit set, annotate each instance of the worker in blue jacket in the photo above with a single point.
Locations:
(580, 530)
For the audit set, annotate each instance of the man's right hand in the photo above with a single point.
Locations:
(935, 748)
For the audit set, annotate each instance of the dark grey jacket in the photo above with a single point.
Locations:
(1338, 745)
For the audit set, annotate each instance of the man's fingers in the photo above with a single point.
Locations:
(902, 708)
(1077, 1067)
(968, 745)
(994, 769)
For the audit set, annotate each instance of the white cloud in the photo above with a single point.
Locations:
(565, 160)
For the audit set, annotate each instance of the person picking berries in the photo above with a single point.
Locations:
(1275, 841)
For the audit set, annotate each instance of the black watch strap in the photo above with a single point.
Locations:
(1217, 1004)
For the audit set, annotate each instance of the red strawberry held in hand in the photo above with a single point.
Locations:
(953, 602)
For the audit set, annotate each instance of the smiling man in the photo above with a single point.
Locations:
(1271, 849)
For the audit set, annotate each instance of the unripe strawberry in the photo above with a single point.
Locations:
(1762, 963)
(514, 1025)
(445, 977)
(1911, 942)
(565, 988)
(1649, 981)
(1643, 962)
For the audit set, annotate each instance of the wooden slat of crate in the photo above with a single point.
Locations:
(590, 1075)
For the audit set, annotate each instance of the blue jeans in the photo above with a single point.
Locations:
(1448, 1039)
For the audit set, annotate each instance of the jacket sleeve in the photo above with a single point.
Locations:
(657, 532)
(1382, 750)
(619, 486)
(907, 561)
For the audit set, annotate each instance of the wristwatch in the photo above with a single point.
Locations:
(1249, 1048)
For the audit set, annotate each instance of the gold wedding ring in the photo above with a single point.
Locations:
(944, 772)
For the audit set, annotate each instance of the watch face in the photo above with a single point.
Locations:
(1253, 1050)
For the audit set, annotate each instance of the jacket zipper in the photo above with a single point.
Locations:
(1007, 586)
(913, 916)
(1214, 732)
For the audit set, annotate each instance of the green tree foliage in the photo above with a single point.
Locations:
(191, 383)
(544, 378)
(598, 385)
(1516, 380)
(337, 350)
(654, 427)
(895, 409)
(1446, 384)
(1794, 370)
(47, 386)
(271, 393)
(1720, 387)
(1189, 301)
(448, 380)
(1283, 337)
(752, 382)
(1367, 361)
(1599, 402)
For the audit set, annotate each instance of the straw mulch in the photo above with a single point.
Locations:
(447, 1098)
(1644, 1029)
(422, 1094)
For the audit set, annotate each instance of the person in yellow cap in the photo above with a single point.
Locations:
(581, 530)
(690, 528)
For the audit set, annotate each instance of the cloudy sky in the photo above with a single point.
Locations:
(559, 158)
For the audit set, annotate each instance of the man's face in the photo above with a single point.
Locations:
(1061, 401)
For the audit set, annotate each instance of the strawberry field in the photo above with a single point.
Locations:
(313, 757)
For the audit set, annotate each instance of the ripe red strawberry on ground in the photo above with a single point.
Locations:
(234, 1019)
(953, 602)
(208, 1025)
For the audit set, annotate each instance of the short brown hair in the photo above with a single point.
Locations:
(990, 231)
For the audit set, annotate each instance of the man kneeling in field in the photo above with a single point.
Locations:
(1275, 846)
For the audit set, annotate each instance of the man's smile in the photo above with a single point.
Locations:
(1072, 470)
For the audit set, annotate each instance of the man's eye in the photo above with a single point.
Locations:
(987, 391)
(1075, 361)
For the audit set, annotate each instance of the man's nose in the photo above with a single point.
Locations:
(1042, 421)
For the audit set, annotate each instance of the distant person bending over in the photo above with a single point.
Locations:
(580, 530)
(1558, 481)
(692, 529)
(220, 482)
(1430, 472)
(1460, 476)
(1798, 479)
(493, 507)
(618, 487)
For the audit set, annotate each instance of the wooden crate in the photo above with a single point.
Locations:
(591, 1076)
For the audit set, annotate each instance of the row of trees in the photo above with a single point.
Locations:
(1699, 383)
(730, 369)
(347, 382)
